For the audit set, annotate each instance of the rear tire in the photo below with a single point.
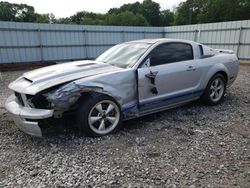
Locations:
(215, 90)
(98, 116)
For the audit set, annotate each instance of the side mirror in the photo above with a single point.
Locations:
(146, 63)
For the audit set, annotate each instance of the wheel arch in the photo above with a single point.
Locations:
(206, 96)
(66, 97)
(216, 69)
(85, 95)
(223, 73)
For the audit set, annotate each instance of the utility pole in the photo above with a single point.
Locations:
(190, 15)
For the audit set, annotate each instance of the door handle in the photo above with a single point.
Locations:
(152, 76)
(191, 68)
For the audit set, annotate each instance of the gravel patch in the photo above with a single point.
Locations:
(5, 79)
(190, 146)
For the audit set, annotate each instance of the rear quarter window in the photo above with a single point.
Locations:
(201, 50)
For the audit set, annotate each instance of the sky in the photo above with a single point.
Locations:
(65, 8)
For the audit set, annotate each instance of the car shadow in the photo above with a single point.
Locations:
(64, 133)
(66, 127)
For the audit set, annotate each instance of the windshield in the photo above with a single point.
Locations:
(124, 55)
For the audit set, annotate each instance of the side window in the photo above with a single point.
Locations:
(170, 53)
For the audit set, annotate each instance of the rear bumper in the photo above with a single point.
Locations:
(26, 118)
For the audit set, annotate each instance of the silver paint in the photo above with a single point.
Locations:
(176, 83)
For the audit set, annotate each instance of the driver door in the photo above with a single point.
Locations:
(169, 75)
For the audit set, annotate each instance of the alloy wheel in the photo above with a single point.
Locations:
(104, 117)
(216, 90)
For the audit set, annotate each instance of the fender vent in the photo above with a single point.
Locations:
(27, 79)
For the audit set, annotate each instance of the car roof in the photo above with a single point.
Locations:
(152, 41)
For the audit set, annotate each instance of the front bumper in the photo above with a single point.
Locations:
(26, 118)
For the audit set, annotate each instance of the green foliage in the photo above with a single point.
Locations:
(92, 21)
(146, 13)
(200, 11)
(148, 8)
(126, 18)
(86, 17)
(16, 12)
(63, 21)
(225, 10)
(45, 18)
(151, 11)
(167, 18)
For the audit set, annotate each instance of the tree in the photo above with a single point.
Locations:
(80, 17)
(151, 11)
(115, 17)
(132, 7)
(187, 12)
(148, 8)
(126, 18)
(200, 11)
(17, 12)
(92, 21)
(139, 14)
(45, 18)
(166, 18)
(63, 21)
(224, 10)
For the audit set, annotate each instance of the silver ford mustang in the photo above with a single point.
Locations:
(129, 80)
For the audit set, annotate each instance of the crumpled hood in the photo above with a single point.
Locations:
(37, 80)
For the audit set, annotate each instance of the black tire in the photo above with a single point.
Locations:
(88, 107)
(207, 95)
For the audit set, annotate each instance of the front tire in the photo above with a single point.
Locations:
(215, 90)
(98, 116)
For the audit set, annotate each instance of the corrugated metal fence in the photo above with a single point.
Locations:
(30, 42)
(226, 35)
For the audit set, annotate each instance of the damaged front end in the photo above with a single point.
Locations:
(65, 96)
(119, 85)
(30, 108)
(60, 98)
(25, 117)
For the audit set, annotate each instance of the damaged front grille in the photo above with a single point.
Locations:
(39, 101)
(19, 98)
